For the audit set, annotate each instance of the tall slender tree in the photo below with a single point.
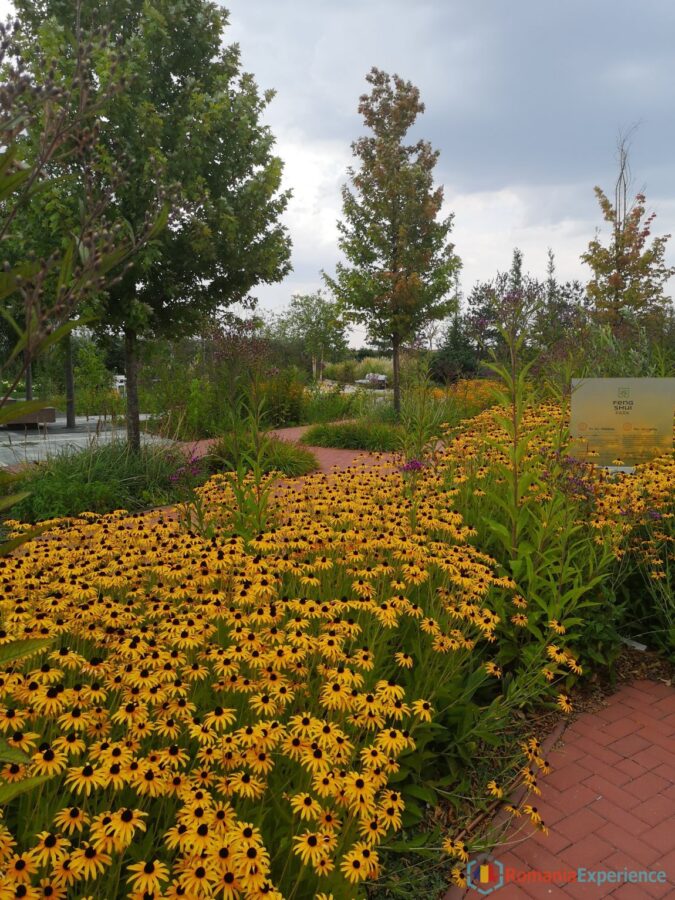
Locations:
(400, 263)
(630, 273)
(191, 121)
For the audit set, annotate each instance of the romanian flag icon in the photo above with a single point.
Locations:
(487, 874)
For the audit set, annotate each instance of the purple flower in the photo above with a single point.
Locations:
(413, 465)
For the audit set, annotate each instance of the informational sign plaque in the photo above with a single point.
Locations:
(622, 421)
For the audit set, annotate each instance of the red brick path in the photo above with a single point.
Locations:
(609, 801)
(327, 457)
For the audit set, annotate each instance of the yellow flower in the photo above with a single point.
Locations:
(147, 877)
(494, 789)
(564, 702)
(404, 660)
(309, 846)
(423, 710)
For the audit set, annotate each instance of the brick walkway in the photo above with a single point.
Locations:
(327, 457)
(609, 801)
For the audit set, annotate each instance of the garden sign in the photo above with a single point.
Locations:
(622, 421)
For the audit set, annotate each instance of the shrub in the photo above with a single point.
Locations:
(99, 479)
(361, 435)
(351, 370)
(278, 456)
(320, 405)
(282, 396)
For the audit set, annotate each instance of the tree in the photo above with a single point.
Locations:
(48, 127)
(400, 264)
(39, 294)
(192, 121)
(507, 303)
(559, 316)
(456, 357)
(315, 324)
(629, 274)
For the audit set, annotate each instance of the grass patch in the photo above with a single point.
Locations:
(99, 479)
(321, 405)
(280, 456)
(351, 370)
(362, 435)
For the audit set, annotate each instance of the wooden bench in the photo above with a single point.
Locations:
(44, 416)
(373, 380)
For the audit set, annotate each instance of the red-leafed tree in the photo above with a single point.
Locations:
(629, 275)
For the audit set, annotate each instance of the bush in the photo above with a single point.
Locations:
(99, 479)
(328, 405)
(282, 396)
(361, 435)
(278, 456)
(351, 370)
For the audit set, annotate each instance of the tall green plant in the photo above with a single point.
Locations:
(531, 521)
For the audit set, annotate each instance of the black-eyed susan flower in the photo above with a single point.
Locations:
(147, 877)
(71, 819)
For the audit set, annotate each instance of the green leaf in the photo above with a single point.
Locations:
(22, 649)
(10, 791)
(8, 547)
(160, 222)
(412, 814)
(421, 792)
(7, 502)
(11, 754)
(13, 411)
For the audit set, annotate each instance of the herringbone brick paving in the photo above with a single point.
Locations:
(609, 802)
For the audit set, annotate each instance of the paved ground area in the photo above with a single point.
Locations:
(31, 444)
(34, 444)
(609, 801)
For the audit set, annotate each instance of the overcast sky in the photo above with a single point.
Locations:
(524, 99)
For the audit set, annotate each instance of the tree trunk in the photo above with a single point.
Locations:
(131, 365)
(29, 377)
(396, 342)
(70, 381)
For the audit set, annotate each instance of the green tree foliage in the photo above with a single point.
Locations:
(457, 356)
(400, 264)
(315, 325)
(560, 316)
(191, 121)
(48, 289)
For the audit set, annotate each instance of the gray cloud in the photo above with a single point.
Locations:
(525, 101)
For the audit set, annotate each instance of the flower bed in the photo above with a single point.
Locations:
(220, 716)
